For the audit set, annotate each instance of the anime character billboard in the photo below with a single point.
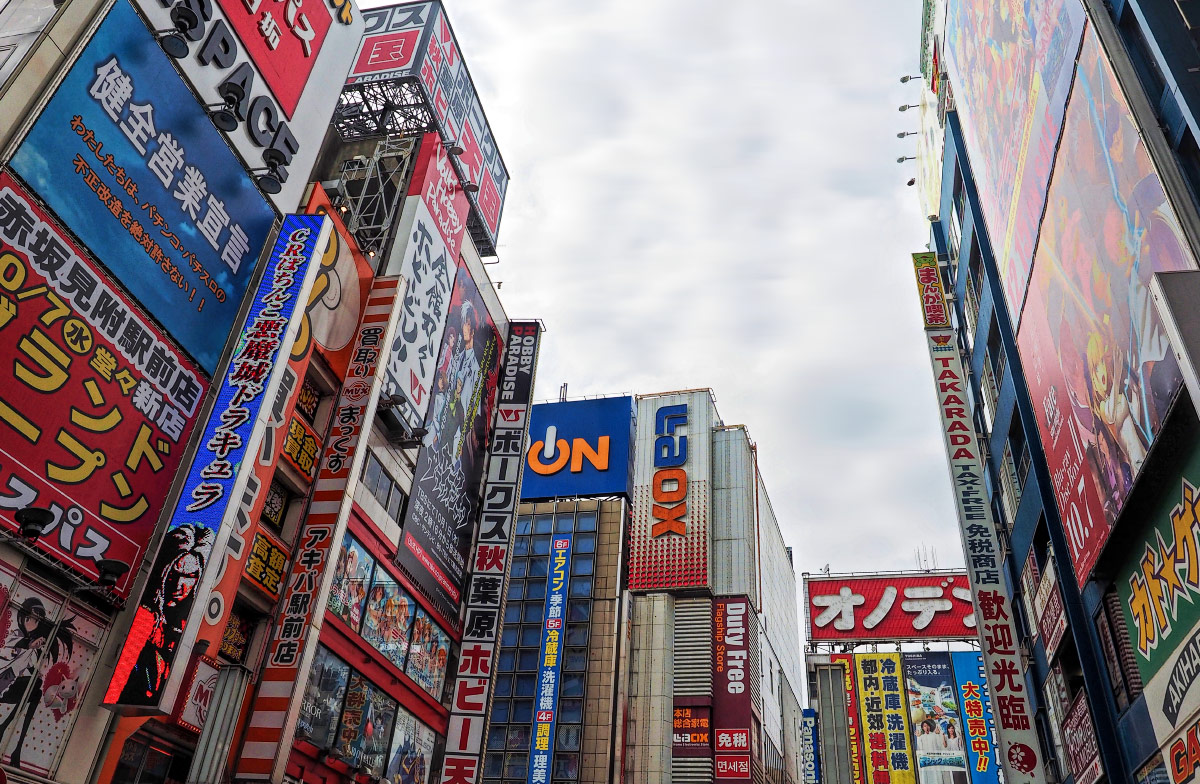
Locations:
(443, 509)
(412, 751)
(1100, 370)
(1010, 65)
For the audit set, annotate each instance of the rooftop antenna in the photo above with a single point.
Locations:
(562, 393)
(825, 570)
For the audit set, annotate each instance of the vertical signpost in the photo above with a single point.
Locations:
(998, 636)
(489, 561)
(541, 755)
(731, 689)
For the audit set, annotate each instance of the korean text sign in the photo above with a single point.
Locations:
(732, 630)
(489, 562)
(128, 160)
(884, 719)
(102, 455)
(541, 752)
(579, 448)
(981, 548)
(979, 725)
(890, 607)
(210, 489)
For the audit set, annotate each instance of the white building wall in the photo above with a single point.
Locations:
(734, 569)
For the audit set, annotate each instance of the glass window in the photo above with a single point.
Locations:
(351, 576)
(493, 764)
(541, 545)
(519, 567)
(524, 525)
(531, 636)
(499, 711)
(382, 487)
(542, 523)
(496, 737)
(576, 660)
(563, 523)
(579, 610)
(504, 685)
(322, 702)
(521, 545)
(535, 589)
(508, 637)
(585, 521)
(577, 634)
(396, 503)
(428, 653)
(512, 613)
(388, 617)
(527, 661)
(518, 737)
(569, 736)
(515, 764)
(566, 766)
(581, 587)
(584, 543)
(572, 685)
(522, 711)
(570, 710)
(582, 564)
(507, 661)
(365, 731)
(526, 685)
(539, 567)
(533, 612)
(516, 589)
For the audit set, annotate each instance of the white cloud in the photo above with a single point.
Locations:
(706, 194)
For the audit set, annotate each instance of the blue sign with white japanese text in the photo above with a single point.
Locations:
(579, 448)
(146, 660)
(554, 627)
(979, 725)
(129, 161)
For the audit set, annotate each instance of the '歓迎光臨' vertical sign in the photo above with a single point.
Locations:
(489, 561)
(998, 635)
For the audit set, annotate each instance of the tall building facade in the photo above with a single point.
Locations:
(1056, 214)
(258, 370)
(680, 625)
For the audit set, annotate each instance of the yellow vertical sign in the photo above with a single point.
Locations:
(885, 729)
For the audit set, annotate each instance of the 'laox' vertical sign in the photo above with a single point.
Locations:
(670, 483)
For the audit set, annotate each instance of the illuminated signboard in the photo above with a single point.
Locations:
(810, 753)
(145, 674)
(733, 626)
(103, 456)
(884, 719)
(979, 725)
(131, 164)
(541, 751)
(579, 448)
(904, 606)
(669, 536)
(691, 731)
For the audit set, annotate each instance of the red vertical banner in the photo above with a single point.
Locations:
(294, 637)
(853, 728)
(731, 689)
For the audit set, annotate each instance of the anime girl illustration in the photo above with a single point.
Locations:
(21, 678)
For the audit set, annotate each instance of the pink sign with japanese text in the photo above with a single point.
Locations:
(900, 606)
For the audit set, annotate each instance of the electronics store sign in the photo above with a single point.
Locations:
(579, 448)
(266, 62)
(669, 485)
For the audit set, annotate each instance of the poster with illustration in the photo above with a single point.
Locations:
(443, 509)
(322, 704)
(428, 652)
(1011, 67)
(366, 728)
(1100, 370)
(351, 576)
(412, 751)
(388, 617)
(936, 719)
(44, 670)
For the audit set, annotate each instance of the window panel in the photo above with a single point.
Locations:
(585, 521)
(563, 523)
(569, 736)
(522, 711)
(531, 636)
(524, 525)
(543, 523)
(579, 610)
(582, 564)
(581, 587)
(570, 711)
(520, 566)
(526, 685)
(584, 543)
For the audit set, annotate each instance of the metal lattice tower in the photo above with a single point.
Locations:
(372, 189)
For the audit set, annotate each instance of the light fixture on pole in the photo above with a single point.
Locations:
(902, 134)
(33, 521)
(454, 148)
(906, 79)
(904, 158)
(908, 106)
(470, 187)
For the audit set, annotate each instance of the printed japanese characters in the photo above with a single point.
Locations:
(902, 606)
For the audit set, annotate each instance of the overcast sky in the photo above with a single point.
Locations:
(706, 195)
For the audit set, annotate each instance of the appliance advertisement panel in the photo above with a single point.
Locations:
(885, 725)
(938, 740)
(979, 724)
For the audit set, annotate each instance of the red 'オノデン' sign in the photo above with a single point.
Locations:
(911, 606)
